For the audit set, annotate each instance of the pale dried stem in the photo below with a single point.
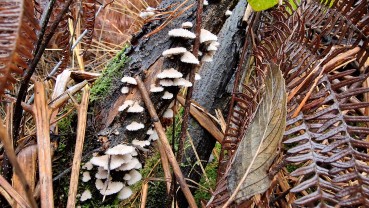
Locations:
(145, 188)
(81, 129)
(41, 113)
(165, 164)
(11, 193)
(165, 144)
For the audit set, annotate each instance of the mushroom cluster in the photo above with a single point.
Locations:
(119, 159)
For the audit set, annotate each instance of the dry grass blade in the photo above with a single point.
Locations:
(17, 31)
(257, 149)
(81, 129)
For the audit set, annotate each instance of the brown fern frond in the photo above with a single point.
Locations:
(88, 21)
(18, 35)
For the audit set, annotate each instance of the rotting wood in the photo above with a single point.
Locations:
(81, 129)
(166, 146)
(42, 115)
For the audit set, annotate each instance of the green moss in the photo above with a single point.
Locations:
(102, 85)
(211, 170)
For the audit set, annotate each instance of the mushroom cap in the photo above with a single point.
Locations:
(86, 195)
(167, 95)
(88, 166)
(189, 58)
(135, 108)
(130, 165)
(140, 143)
(150, 131)
(206, 35)
(134, 153)
(182, 82)
(170, 73)
(228, 13)
(211, 47)
(124, 90)
(168, 113)
(103, 161)
(146, 14)
(135, 177)
(138, 166)
(153, 136)
(187, 25)
(127, 177)
(183, 33)
(134, 126)
(120, 149)
(197, 76)
(206, 2)
(113, 187)
(207, 58)
(86, 176)
(129, 80)
(101, 173)
(125, 105)
(166, 82)
(154, 88)
(99, 184)
(125, 193)
(174, 51)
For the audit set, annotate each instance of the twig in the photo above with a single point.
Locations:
(81, 129)
(145, 188)
(8, 146)
(13, 193)
(41, 114)
(186, 112)
(165, 164)
(165, 144)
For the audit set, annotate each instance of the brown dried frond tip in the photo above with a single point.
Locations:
(18, 35)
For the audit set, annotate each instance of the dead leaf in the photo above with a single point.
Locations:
(258, 147)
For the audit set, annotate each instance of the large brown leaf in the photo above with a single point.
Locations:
(258, 146)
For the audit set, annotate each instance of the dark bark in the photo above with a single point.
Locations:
(212, 92)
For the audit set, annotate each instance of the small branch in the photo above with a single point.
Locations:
(164, 141)
(145, 188)
(42, 115)
(165, 164)
(54, 104)
(81, 129)
(192, 80)
(13, 193)
(8, 146)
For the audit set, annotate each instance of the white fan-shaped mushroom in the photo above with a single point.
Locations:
(182, 82)
(189, 58)
(167, 95)
(135, 108)
(154, 88)
(103, 161)
(174, 51)
(169, 73)
(146, 14)
(183, 33)
(187, 25)
(86, 195)
(124, 90)
(140, 143)
(125, 193)
(228, 13)
(88, 166)
(153, 136)
(99, 184)
(101, 173)
(206, 3)
(206, 35)
(129, 80)
(134, 126)
(120, 149)
(207, 58)
(197, 76)
(130, 165)
(112, 188)
(135, 177)
(149, 131)
(86, 176)
(125, 105)
(168, 113)
(127, 177)
(166, 82)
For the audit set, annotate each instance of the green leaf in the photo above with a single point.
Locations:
(260, 5)
(258, 147)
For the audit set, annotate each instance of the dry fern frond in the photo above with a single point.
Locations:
(88, 21)
(17, 32)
